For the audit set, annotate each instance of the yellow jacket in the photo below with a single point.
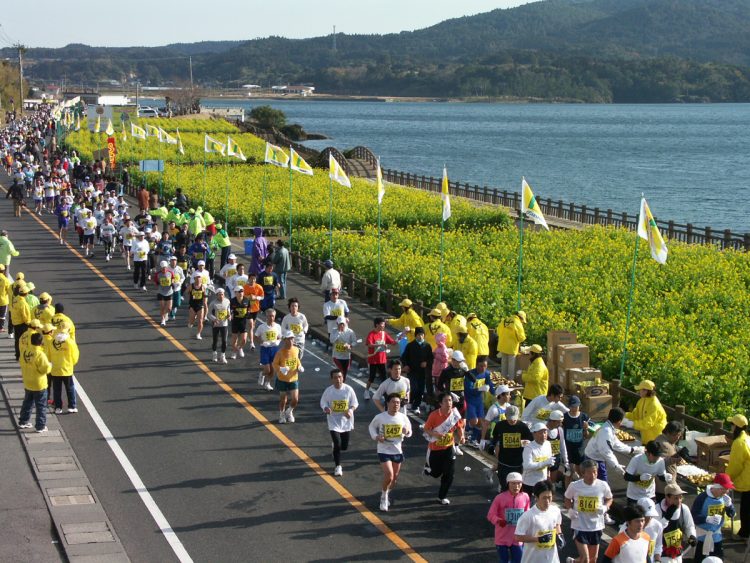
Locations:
(470, 350)
(43, 312)
(19, 311)
(648, 417)
(481, 334)
(510, 334)
(409, 318)
(454, 324)
(64, 356)
(58, 318)
(536, 380)
(34, 368)
(24, 342)
(5, 291)
(738, 467)
(8, 290)
(47, 344)
(432, 329)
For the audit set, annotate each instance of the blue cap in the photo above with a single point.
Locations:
(574, 401)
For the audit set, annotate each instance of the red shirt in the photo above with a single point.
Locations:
(372, 338)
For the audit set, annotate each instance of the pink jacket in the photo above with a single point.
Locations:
(509, 508)
(439, 355)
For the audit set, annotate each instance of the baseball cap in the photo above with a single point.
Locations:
(648, 506)
(522, 316)
(35, 323)
(511, 412)
(341, 320)
(288, 334)
(500, 389)
(471, 316)
(555, 415)
(458, 355)
(328, 263)
(220, 290)
(646, 385)
(232, 257)
(405, 303)
(163, 264)
(462, 330)
(513, 477)
(739, 420)
(536, 349)
(173, 258)
(201, 262)
(435, 313)
(723, 480)
(673, 489)
(538, 426)
(574, 401)
(45, 297)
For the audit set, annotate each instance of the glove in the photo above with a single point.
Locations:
(550, 462)
(482, 444)
(646, 476)
(602, 509)
(566, 470)
(546, 538)
(637, 450)
(502, 522)
(668, 478)
(572, 513)
(627, 423)
(714, 520)
(621, 469)
(284, 370)
(300, 368)
(726, 500)
(560, 541)
(484, 388)
(692, 541)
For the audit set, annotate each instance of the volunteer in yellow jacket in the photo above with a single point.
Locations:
(5, 295)
(20, 315)
(455, 322)
(24, 342)
(408, 321)
(434, 327)
(738, 470)
(287, 366)
(510, 335)
(467, 345)
(536, 378)
(648, 416)
(480, 333)
(34, 368)
(60, 317)
(64, 357)
(44, 311)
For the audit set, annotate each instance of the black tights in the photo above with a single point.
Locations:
(340, 443)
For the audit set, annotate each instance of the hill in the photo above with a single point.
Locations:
(585, 50)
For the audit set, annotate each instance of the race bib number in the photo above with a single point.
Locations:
(240, 312)
(512, 515)
(673, 538)
(270, 335)
(198, 256)
(651, 548)
(152, 245)
(479, 383)
(548, 544)
(291, 363)
(539, 459)
(402, 394)
(231, 273)
(588, 504)
(542, 414)
(182, 265)
(445, 440)
(141, 254)
(511, 441)
(340, 406)
(716, 509)
(268, 280)
(457, 384)
(392, 431)
(129, 236)
(644, 484)
(555, 444)
(197, 294)
(574, 435)
(341, 348)
(165, 281)
(64, 214)
(222, 314)
(296, 329)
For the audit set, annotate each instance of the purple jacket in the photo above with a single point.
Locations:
(260, 252)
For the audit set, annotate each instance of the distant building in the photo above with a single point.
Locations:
(87, 98)
(113, 101)
(301, 89)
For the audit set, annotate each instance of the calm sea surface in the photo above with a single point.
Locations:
(691, 161)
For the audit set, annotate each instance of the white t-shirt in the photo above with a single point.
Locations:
(586, 500)
(297, 324)
(395, 428)
(128, 235)
(139, 250)
(535, 522)
(203, 274)
(337, 309)
(637, 466)
(107, 231)
(270, 335)
(539, 408)
(89, 226)
(228, 271)
(496, 411)
(339, 401)
(390, 385)
(535, 458)
(339, 340)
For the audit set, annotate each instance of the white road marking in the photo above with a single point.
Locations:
(148, 500)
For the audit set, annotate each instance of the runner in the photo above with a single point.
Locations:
(339, 401)
(679, 528)
(178, 277)
(139, 252)
(587, 500)
(395, 384)
(219, 313)
(342, 341)
(388, 429)
(537, 458)
(439, 431)
(494, 414)
(107, 233)
(539, 528)
(476, 385)
(333, 309)
(576, 430)
(297, 323)
(269, 334)
(510, 437)
(63, 220)
(287, 367)
(642, 472)
(504, 513)
(164, 281)
(632, 544)
(254, 293)
(239, 306)
(127, 234)
(197, 305)
(89, 225)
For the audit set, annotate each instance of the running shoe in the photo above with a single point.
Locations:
(366, 394)
(457, 450)
(282, 418)
(252, 346)
(223, 359)
(163, 323)
(25, 425)
(241, 353)
(215, 356)
(143, 287)
(570, 560)
(609, 521)
(73, 410)
(40, 430)
(58, 411)
(444, 501)
(383, 503)
(261, 377)
(269, 387)
(289, 415)
(198, 336)
(233, 356)
(416, 411)
(135, 285)
(128, 268)
(338, 472)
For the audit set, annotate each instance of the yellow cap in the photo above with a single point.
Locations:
(521, 315)
(35, 323)
(739, 420)
(471, 316)
(405, 303)
(47, 327)
(45, 297)
(646, 385)
(22, 289)
(30, 286)
(20, 276)
(435, 313)
(63, 327)
(442, 307)
(536, 349)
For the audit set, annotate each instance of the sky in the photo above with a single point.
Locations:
(150, 23)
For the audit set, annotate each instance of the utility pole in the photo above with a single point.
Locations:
(21, 50)
(334, 38)
(191, 76)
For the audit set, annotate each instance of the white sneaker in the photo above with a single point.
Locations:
(338, 472)
(416, 411)
(144, 288)
(241, 353)
(383, 503)
(233, 356)
(252, 346)
(26, 425)
(570, 560)
(215, 356)
(73, 410)
(198, 336)
(444, 501)
(608, 520)
(163, 323)
(282, 418)
(128, 268)
(269, 387)
(58, 411)
(289, 415)
(261, 377)
(366, 394)
(457, 450)
(223, 359)
(41, 430)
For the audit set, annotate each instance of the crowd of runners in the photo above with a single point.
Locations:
(544, 447)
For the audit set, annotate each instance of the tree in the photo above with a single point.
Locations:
(268, 118)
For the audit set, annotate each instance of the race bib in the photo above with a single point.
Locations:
(445, 440)
(198, 255)
(716, 509)
(542, 414)
(651, 548)
(165, 281)
(222, 314)
(457, 384)
(673, 538)
(129, 236)
(197, 294)
(291, 363)
(511, 441)
(479, 383)
(392, 431)
(240, 312)
(64, 213)
(644, 484)
(296, 329)
(231, 273)
(512, 515)
(555, 446)
(141, 254)
(270, 335)
(548, 544)
(182, 265)
(588, 504)
(340, 406)
(574, 435)
(341, 348)
(268, 280)
(539, 459)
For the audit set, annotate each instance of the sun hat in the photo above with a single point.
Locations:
(405, 303)
(513, 477)
(645, 385)
(673, 489)
(739, 420)
(521, 315)
(500, 389)
(45, 297)
(536, 349)
(538, 427)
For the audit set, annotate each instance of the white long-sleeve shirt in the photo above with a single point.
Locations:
(394, 428)
(219, 311)
(536, 458)
(331, 280)
(603, 445)
(340, 401)
(297, 324)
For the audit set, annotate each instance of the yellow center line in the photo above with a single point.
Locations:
(342, 491)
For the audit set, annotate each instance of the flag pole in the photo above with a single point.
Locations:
(290, 200)
(204, 177)
(226, 203)
(161, 172)
(330, 218)
(520, 257)
(442, 252)
(263, 198)
(380, 212)
(630, 307)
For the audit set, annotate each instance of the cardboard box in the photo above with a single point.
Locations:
(597, 407)
(572, 356)
(591, 389)
(720, 466)
(554, 339)
(523, 361)
(576, 375)
(710, 449)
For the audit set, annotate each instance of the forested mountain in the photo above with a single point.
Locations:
(589, 50)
